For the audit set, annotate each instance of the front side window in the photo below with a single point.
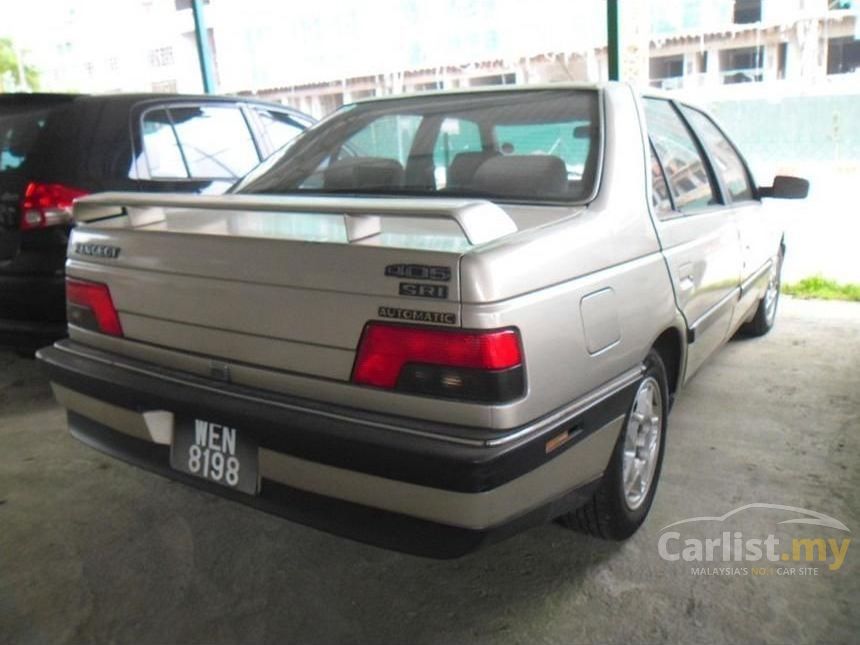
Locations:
(729, 165)
(685, 167)
(526, 145)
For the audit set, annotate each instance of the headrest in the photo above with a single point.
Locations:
(462, 169)
(522, 176)
(363, 172)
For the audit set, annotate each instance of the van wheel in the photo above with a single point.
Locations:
(621, 503)
(765, 314)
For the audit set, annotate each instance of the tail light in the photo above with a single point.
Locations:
(89, 305)
(46, 205)
(471, 365)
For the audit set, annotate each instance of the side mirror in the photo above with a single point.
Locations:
(785, 187)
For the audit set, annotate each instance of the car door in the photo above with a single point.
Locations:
(696, 228)
(759, 238)
(193, 146)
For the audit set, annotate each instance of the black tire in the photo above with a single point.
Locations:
(607, 514)
(765, 313)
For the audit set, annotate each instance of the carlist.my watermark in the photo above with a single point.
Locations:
(726, 549)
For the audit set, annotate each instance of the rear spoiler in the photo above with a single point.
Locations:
(480, 220)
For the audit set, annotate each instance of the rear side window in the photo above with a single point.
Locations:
(660, 199)
(19, 133)
(277, 127)
(215, 140)
(198, 142)
(161, 146)
(685, 167)
(725, 157)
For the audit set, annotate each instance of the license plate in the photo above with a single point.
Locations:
(216, 452)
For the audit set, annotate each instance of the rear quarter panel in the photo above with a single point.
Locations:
(544, 281)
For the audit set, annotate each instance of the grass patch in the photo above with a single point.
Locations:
(821, 288)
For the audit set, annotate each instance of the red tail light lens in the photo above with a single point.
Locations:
(89, 305)
(46, 205)
(458, 364)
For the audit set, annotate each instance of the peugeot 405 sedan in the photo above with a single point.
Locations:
(431, 321)
(55, 148)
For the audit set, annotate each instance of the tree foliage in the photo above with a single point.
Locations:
(10, 70)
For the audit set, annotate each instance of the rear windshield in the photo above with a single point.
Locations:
(19, 132)
(527, 146)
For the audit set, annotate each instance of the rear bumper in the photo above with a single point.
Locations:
(329, 467)
(358, 522)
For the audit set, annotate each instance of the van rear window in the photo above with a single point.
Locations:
(19, 132)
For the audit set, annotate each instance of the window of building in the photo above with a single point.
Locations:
(185, 4)
(728, 164)
(161, 57)
(496, 79)
(747, 11)
(742, 65)
(685, 167)
(843, 55)
(664, 70)
(164, 87)
(781, 57)
(427, 87)
(330, 102)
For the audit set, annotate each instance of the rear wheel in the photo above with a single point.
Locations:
(626, 492)
(765, 314)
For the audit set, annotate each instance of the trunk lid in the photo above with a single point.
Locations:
(279, 282)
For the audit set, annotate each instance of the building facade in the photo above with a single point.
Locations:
(319, 56)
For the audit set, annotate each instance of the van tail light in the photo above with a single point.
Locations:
(45, 205)
(89, 305)
(484, 366)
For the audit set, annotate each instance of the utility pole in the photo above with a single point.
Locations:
(204, 52)
(612, 48)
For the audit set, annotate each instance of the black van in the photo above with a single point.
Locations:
(56, 147)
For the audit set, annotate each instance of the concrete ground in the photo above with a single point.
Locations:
(93, 550)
